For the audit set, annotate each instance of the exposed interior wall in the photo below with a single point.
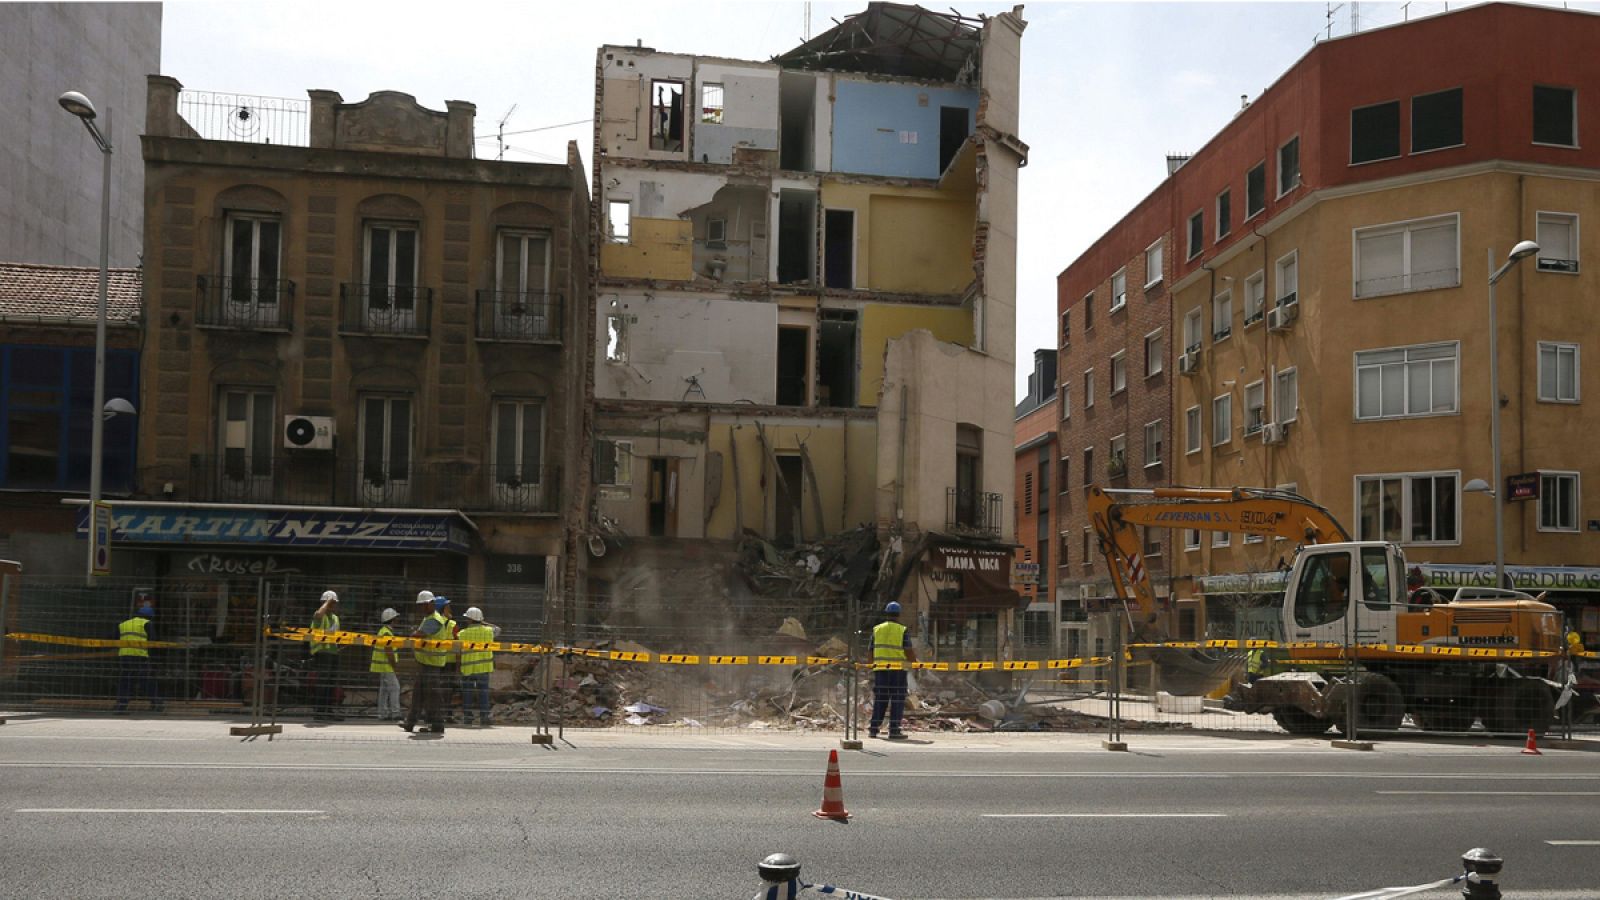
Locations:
(660, 249)
(882, 322)
(728, 347)
(908, 240)
(749, 111)
(892, 128)
(625, 106)
(843, 460)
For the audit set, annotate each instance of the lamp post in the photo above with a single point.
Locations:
(1521, 251)
(79, 105)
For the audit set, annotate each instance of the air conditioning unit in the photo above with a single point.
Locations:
(1189, 362)
(1284, 315)
(308, 432)
(1273, 433)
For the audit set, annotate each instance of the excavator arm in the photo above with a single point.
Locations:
(1259, 511)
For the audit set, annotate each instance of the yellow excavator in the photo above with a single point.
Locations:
(1484, 654)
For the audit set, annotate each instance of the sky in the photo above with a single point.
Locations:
(1108, 89)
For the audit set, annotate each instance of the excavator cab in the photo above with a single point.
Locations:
(1346, 592)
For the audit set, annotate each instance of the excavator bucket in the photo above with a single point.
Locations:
(1190, 672)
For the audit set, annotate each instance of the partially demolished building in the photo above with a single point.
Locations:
(805, 313)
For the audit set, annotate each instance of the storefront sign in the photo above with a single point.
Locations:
(1440, 577)
(971, 559)
(1024, 573)
(1244, 583)
(303, 529)
(1522, 487)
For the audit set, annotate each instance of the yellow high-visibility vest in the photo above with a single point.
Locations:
(329, 622)
(889, 642)
(436, 658)
(383, 660)
(134, 630)
(476, 662)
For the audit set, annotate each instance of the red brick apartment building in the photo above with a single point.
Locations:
(1312, 285)
(1034, 509)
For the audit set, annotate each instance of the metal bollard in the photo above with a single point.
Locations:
(778, 871)
(1486, 864)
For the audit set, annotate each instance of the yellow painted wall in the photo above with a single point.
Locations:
(909, 240)
(882, 322)
(656, 248)
(846, 484)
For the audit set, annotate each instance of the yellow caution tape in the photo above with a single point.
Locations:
(64, 641)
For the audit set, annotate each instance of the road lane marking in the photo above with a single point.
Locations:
(1494, 793)
(1105, 815)
(1573, 843)
(104, 810)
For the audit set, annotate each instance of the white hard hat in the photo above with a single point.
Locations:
(330, 596)
(475, 614)
(387, 614)
(425, 597)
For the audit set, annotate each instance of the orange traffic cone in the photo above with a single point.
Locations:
(1532, 749)
(832, 793)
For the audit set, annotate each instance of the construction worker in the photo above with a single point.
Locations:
(476, 665)
(890, 645)
(325, 656)
(135, 673)
(426, 701)
(1417, 593)
(383, 660)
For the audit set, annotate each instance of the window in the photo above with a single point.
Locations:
(1088, 538)
(1255, 298)
(1255, 407)
(1222, 316)
(1436, 121)
(1221, 420)
(1152, 265)
(1558, 372)
(1409, 508)
(1375, 132)
(1117, 462)
(1044, 490)
(1221, 538)
(1255, 191)
(666, 115)
(1286, 396)
(251, 270)
(1191, 430)
(46, 395)
(1557, 235)
(1324, 590)
(1119, 372)
(385, 449)
(1066, 545)
(1088, 388)
(1191, 539)
(618, 221)
(617, 339)
(1558, 501)
(1254, 538)
(1066, 329)
(1289, 166)
(1152, 443)
(1152, 542)
(1154, 354)
(1088, 310)
(1411, 256)
(1406, 381)
(517, 472)
(1197, 233)
(1555, 116)
(523, 306)
(391, 277)
(1292, 487)
(1064, 480)
(1288, 278)
(711, 104)
(1224, 214)
(1119, 290)
(717, 234)
(1088, 466)
(1191, 331)
(613, 462)
(247, 436)
(1066, 400)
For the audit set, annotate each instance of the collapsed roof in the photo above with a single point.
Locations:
(895, 39)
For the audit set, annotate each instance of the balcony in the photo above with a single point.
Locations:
(522, 316)
(385, 310)
(975, 512)
(245, 304)
(310, 479)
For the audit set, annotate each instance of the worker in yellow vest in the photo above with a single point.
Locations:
(325, 656)
(383, 660)
(476, 665)
(427, 700)
(891, 657)
(136, 673)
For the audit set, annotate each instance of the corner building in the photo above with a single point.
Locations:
(1332, 250)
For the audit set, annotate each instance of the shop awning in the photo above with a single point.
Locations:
(985, 573)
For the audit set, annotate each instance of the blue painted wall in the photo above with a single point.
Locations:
(869, 118)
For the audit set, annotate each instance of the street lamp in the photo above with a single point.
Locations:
(1521, 251)
(79, 105)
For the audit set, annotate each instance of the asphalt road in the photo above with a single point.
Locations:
(176, 812)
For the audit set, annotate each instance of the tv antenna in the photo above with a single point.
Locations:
(500, 134)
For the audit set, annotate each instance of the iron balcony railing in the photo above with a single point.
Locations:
(974, 511)
(247, 304)
(385, 309)
(519, 316)
(217, 116)
(311, 478)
